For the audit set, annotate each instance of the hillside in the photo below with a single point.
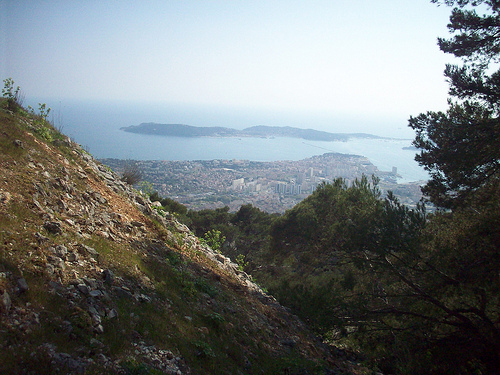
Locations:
(94, 279)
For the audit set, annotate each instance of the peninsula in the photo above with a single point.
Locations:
(181, 130)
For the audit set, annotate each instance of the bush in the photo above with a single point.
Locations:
(12, 94)
(214, 239)
(131, 174)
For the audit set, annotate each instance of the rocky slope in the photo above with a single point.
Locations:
(95, 279)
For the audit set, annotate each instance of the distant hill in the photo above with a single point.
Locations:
(309, 134)
(180, 130)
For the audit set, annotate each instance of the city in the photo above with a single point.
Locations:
(271, 186)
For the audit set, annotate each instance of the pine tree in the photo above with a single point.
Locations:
(461, 147)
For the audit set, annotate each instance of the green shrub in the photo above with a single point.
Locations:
(204, 349)
(214, 239)
(240, 260)
(12, 94)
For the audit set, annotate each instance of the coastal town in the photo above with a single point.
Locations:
(271, 186)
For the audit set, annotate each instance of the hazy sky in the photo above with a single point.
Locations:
(333, 56)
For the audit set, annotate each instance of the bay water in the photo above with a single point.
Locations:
(96, 126)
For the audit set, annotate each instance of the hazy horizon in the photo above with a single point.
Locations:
(317, 64)
(73, 114)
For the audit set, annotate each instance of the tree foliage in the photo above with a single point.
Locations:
(415, 294)
(459, 149)
(246, 232)
(314, 272)
(460, 249)
(460, 146)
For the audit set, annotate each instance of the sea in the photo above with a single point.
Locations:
(96, 125)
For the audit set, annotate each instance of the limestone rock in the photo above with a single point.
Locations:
(53, 227)
(41, 238)
(108, 276)
(5, 302)
(61, 251)
(22, 285)
(4, 197)
(87, 250)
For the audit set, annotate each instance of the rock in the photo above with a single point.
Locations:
(144, 298)
(112, 314)
(56, 261)
(127, 228)
(99, 198)
(65, 142)
(61, 251)
(53, 227)
(289, 342)
(4, 197)
(120, 292)
(40, 190)
(56, 286)
(92, 283)
(82, 175)
(87, 250)
(103, 233)
(96, 318)
(73, 257)
(95, 293)
(105, 172)
(18, 143)
(70, 222)
(41, 238)
(75, 366)
(38, 205)
(86, 196)
(61, 205)
(50, 269)
(5, 302)
(84, 289)
(108, 276)
(94, 343)
(22, 285)
(182, 228)
(140, 200)
(169, 355)
(101, 358)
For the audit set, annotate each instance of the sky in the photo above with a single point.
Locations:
(360, 58)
